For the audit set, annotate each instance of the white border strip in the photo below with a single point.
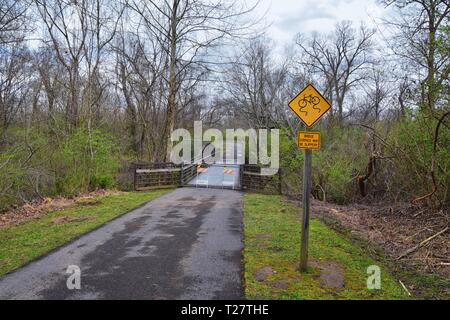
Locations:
(157, 170)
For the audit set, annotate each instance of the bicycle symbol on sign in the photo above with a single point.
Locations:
(307, 101)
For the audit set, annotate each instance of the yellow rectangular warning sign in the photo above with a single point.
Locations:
(309, 140)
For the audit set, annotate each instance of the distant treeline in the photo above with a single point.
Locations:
(86, 85)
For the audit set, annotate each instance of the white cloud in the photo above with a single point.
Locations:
(289, 17)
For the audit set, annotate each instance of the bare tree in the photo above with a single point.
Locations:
(422, 39)
(14, 62)
(377, 88)
(140, 68)
(257, 86)
(340, 59)
(404, 94)
(68, 41)
(51, 89)
(188, 31)
(78, 32)
(14, 85)
(13, 17)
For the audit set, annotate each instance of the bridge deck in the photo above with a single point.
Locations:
(217, 176)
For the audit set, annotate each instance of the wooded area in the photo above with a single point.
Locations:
(87, 85)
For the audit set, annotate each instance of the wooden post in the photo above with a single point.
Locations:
(306, 210)
(135, 176)
(182, 175)
(280, 186)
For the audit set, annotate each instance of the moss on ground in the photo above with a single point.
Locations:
(272, 239)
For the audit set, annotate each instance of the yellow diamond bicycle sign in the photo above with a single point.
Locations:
(309, 105)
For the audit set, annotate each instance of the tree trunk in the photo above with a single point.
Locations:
(431, 78)
(171, 103)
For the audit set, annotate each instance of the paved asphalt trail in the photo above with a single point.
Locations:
(184, 245)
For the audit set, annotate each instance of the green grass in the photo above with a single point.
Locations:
(22, 243)
(272, 239)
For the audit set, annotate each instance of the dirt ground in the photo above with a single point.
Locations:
(413, 235)
(414, 238)
(38, 208)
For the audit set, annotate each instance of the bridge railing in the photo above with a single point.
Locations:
(254, 180)
(188, 172)
(149, 176)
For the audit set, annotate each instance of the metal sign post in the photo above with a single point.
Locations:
(306, 209)
(310, 106)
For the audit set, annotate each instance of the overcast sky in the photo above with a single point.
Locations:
(289, 17)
